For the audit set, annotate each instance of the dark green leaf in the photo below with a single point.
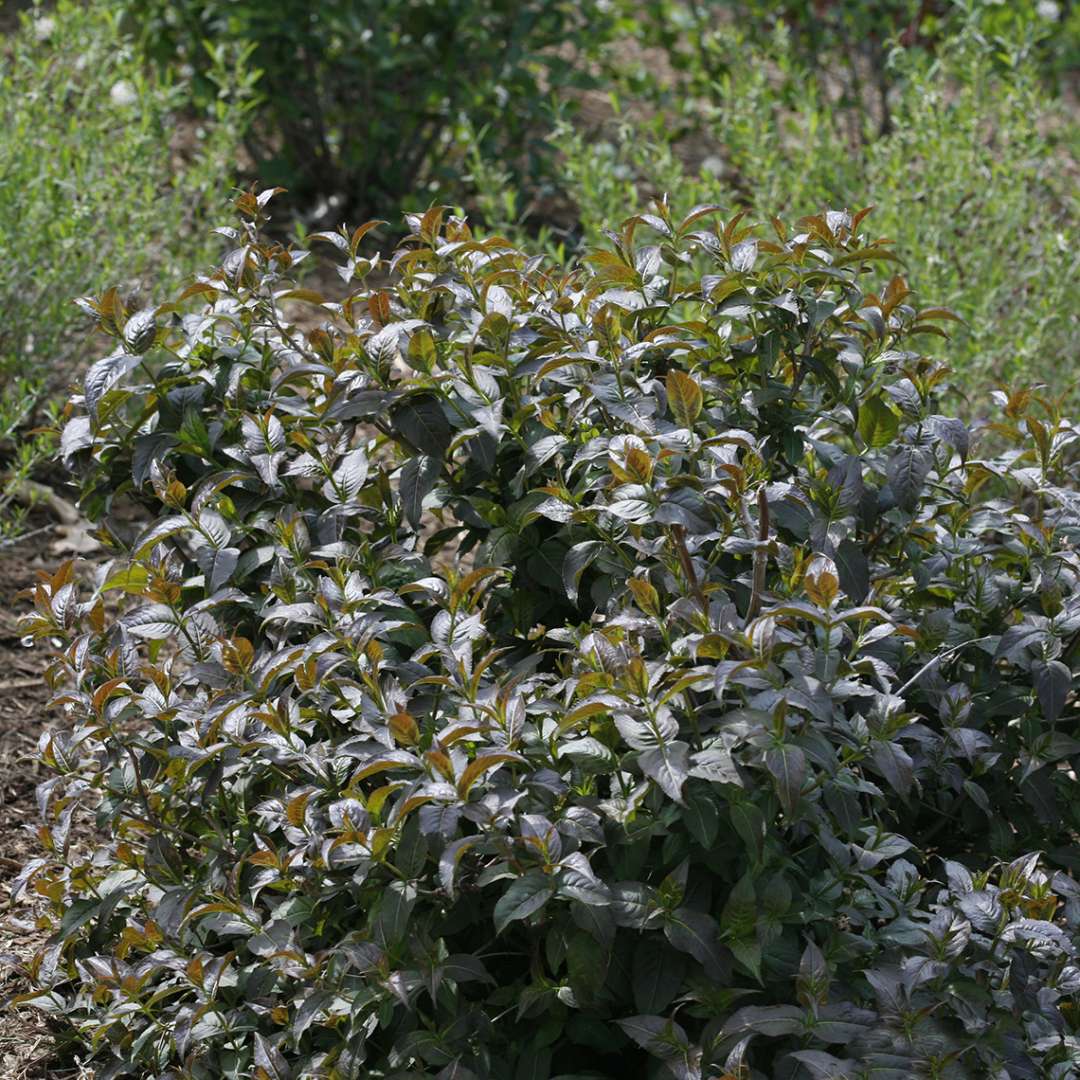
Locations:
(421, 422)
(418, 476)
(526, 896)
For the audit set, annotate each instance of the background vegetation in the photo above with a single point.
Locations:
(106, 179)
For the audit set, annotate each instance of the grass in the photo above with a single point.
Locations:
(103, 181)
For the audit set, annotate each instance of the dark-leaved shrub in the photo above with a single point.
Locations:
(624, 671)
(367, 100)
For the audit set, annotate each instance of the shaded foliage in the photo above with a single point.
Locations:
(531, 673)
(365, 101)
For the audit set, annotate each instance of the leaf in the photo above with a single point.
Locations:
(825, 1066)
(658, 972)
(102, 375)
(749, 823)
(697, 934)
(983, 910)
(878, 423)
(270, 1060)
(787, 764)
(526, 896)
(140, 330)
(770, 1021)
(450, 858)
(907, 471)
(133, 579)
(223, 563)
(669, 766)
(895, 764)
(646, 595)
(311, 1008)
(821, 581)
(655, 1034)
(296, 809)
(952, 431)
(393, 910)
(543, 450)
(418, 476)
(575, 563)
(154, 621)
(481, 764)
(853, 568)
(577, 881)
(76, 436)
(846, 479)
(404, 729)
(684, 397)
(744, 255)
(349, 476)
(1053, 681)
(633, 510)
(702, 817)
(420, 421)
(157, 532)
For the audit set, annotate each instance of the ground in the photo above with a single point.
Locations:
(26, 1048)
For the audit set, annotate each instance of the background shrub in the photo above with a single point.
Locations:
(529, 672)
(365, 101)
(100, 185)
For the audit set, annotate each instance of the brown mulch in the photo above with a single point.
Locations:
(27, 1051)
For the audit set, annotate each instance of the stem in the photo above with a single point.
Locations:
(761, 556)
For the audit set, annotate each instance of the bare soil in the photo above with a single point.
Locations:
(27, 1048)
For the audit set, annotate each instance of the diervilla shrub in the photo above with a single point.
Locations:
(623, 671)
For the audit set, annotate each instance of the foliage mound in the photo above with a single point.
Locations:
(542, 673)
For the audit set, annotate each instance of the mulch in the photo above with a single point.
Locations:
(27, 1048)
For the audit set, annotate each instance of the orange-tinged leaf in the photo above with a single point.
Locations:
(308, 295)
(381, 839)
(379, 796)
(440, 761)
(481, 765)
(639, 464)
(646, 596)
(403, 728)
(360, 232)
(939, 313)
(684, 397)
(379, 306)
(296, 810)
(431, 223)
(583, 712)
(405, 760)
(821, 581)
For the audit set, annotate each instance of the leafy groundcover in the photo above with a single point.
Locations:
(622, 671)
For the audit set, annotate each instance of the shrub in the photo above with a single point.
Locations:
(96, 189)
(531, 673)
(363, 100)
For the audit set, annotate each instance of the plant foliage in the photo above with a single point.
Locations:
(363, 100)
(544, 673)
